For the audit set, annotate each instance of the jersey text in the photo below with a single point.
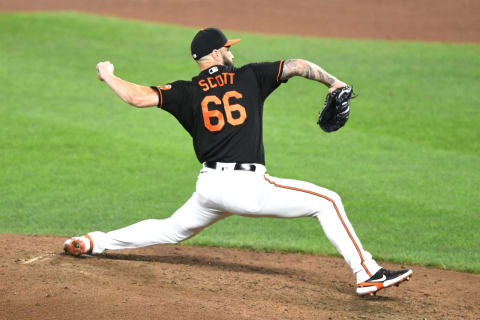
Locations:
(219, 80)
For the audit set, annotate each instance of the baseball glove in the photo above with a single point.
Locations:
(336, 110)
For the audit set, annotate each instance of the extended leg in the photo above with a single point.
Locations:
(191, 218)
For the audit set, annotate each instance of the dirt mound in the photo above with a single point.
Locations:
(181, 282)
(424, 20)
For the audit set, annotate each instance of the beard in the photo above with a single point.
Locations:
(227, 61)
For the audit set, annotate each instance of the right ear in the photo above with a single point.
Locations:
(216, 54)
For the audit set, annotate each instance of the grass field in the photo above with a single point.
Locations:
(74, 158)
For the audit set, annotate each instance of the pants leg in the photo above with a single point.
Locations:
(327, 207)
(220, 194)
(256, 195)
(195, 215)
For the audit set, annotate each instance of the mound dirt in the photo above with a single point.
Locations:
(37, 281)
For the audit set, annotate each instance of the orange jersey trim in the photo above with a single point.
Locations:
(280, 68)
(338, 214)
(161, 99)
(159, 94)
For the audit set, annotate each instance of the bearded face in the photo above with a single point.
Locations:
(227, 57)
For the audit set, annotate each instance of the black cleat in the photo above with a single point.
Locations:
(383, 279)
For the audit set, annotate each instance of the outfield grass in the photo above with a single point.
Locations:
(76, 159)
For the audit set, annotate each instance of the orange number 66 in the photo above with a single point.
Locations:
(208, 115)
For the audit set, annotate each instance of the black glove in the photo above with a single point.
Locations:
(336, 110)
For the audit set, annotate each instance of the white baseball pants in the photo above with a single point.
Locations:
(223, 192)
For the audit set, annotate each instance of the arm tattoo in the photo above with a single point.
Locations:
(289, 69)
(306, 69)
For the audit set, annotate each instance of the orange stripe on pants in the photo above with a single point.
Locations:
(338, 214)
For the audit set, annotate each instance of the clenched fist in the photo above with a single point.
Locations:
(104, 70)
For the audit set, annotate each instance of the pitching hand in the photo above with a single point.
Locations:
(104, 70)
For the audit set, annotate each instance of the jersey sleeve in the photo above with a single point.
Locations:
(170, 96)
(268, 76)
(175, 99)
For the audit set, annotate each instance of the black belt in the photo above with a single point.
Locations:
(238, 166)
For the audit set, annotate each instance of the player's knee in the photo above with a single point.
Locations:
(329, 195)
(335, 197)
(329, 201)
(168, 230)
(178, 231)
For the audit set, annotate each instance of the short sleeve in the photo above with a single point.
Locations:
(170, 96)
(175, 98)
(268, 75)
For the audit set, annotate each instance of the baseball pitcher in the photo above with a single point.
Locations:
(222, 110)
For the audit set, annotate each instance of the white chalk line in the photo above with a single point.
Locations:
(43, 256)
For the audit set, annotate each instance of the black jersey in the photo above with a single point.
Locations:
(222, 109)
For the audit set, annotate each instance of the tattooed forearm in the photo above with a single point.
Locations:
(306, 69)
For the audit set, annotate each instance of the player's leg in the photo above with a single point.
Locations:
(328, 208)
(265, 196)
(195, 215)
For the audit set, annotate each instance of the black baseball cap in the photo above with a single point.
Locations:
(207, 40)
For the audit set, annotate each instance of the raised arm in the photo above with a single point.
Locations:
(309, 70)
(133, 94)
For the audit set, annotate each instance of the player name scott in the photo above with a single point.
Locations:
(219, 80)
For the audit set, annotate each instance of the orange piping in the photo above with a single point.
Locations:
(338, 214)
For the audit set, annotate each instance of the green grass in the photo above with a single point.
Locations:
(75, 159)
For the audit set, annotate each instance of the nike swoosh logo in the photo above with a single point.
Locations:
(383, 278)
